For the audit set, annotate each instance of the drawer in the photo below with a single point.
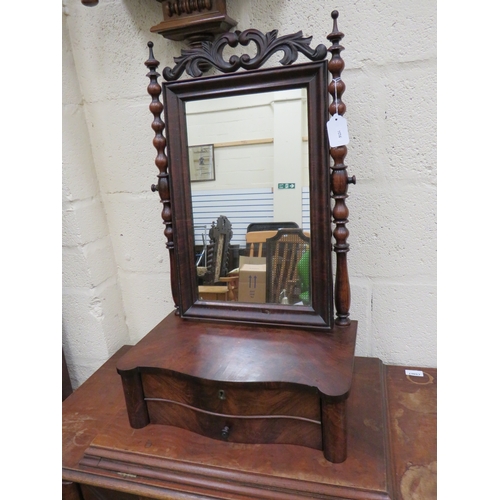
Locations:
(270, 429)
(241, 413)
(233, 398)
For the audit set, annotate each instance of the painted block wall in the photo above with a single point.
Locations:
(115, 265)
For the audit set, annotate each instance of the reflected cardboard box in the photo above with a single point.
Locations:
(252, 281)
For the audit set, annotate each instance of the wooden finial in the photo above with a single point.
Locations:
(335, 36)
(151, 63)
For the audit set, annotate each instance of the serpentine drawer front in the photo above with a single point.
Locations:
(243, 384)
(249, 413)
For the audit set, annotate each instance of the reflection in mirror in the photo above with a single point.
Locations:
(249, 168)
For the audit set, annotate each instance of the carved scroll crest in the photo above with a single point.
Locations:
(193, 59)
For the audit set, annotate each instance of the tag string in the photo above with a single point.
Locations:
(336, 102)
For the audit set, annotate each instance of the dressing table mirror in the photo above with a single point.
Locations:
(234, 395)
(276, 370)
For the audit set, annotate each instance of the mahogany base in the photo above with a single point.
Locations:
(243, 383)
(160, 457)
(391, 440)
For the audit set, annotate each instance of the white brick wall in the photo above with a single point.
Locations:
(116, 270)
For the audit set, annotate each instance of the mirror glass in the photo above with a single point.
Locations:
(249, 162)
(244, 152)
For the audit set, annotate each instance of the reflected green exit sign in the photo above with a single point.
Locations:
(286, 185)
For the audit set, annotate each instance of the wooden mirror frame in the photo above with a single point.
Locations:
(312, 76)
(326, 182)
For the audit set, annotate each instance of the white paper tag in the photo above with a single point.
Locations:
(337, 131)
(414, 373)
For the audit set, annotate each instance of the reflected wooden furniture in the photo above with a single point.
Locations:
(286, 253)
(232, 281)
(256, 241)
(263, 227)
(392, 448)
(213, 292)
(284, 250)
(227, 292)
(220, 235)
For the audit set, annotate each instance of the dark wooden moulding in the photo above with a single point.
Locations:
(230, 373)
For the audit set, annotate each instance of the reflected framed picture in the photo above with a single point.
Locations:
(201, 163)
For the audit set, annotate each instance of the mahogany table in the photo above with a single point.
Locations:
(391, 448)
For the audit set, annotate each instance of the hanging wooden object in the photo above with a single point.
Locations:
(190, 20)
(193, 20)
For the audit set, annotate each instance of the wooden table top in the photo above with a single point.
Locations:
(247, 353)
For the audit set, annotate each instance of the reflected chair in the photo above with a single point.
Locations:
(256, 241)
(262, 227)
(288, 267)
(217, 284)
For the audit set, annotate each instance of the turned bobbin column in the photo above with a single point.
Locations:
(161, 161)
(339, 181)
